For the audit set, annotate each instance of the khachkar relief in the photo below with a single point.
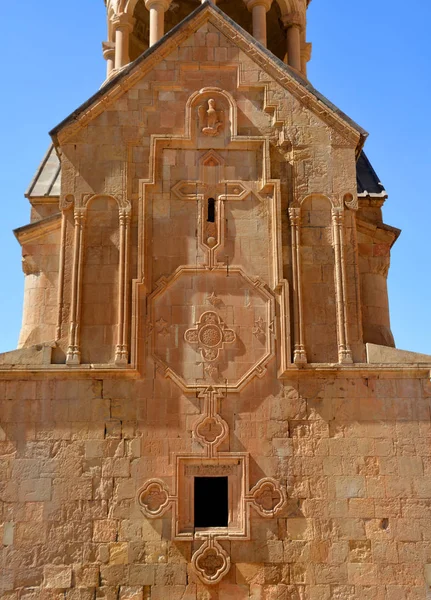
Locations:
(211, 562)
(211, 327)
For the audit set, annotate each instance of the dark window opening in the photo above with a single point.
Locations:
(211, 501)
(211, 210)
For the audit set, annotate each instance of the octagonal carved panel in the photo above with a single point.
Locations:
(211, 327)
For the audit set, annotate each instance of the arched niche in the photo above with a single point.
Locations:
(317, 259)
(100, 280)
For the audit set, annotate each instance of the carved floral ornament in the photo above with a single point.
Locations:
(210, 334)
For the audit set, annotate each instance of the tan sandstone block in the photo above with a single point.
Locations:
(362, 574)
(105, 530)
(119, 554)
(58, 577)
(131, 593)
(87, 576)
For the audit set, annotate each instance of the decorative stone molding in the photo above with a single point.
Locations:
(212, 183)
(211, 561)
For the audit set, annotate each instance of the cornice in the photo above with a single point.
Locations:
(31, 232)
(379, 230)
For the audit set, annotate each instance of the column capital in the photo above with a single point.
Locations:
(293, 19)
(123, 20)
(306, 50)
(108, 50)
(252, 3)
(163, 4)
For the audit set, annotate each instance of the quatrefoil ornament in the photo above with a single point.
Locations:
(210, 334)
(154, 498)
(268, 497)
(211, 562)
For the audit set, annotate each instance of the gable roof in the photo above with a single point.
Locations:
(46, 181)
(282, 73)
(368, 182)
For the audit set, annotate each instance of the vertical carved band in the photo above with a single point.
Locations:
(344, 351)
(299, 354)
(121, 349)
(73, 356)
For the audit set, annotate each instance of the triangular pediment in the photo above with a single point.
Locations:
(269, 64)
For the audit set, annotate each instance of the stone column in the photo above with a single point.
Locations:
(294, 27)
(299, 353)
(258, 9)
(73, 356)
(109, 56)
(157, 10)
(305, 56)
(121, 350)
(344, 351)
(123, 25)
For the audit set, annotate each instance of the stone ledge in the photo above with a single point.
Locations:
(385, 355)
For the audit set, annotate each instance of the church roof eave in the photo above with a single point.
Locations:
(281, 72)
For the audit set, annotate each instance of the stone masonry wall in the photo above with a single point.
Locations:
(352, 452)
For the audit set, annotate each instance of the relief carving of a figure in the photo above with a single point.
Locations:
(211, 120)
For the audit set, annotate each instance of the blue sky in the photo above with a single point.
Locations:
(371, 58)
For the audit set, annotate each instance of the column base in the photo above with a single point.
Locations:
(73, 356)
(121, 356)
(345, 356)
(299, 356)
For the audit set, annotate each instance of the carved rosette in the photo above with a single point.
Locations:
(268, 498)
(210, 334)
(211, 562)
(154, 499)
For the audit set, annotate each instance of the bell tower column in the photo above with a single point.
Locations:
(157, 10)
(109, 56)
(123, 25)
(258, 9)
(294, 27)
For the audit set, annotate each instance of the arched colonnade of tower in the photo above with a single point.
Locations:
(136, 25)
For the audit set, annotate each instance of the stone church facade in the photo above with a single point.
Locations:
(206, 402)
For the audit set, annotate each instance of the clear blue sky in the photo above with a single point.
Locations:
(371, 58)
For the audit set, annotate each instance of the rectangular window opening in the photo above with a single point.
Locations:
(211, 502)
(211, 211)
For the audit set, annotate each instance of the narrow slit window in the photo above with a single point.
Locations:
(211, 502)
(211, 210)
